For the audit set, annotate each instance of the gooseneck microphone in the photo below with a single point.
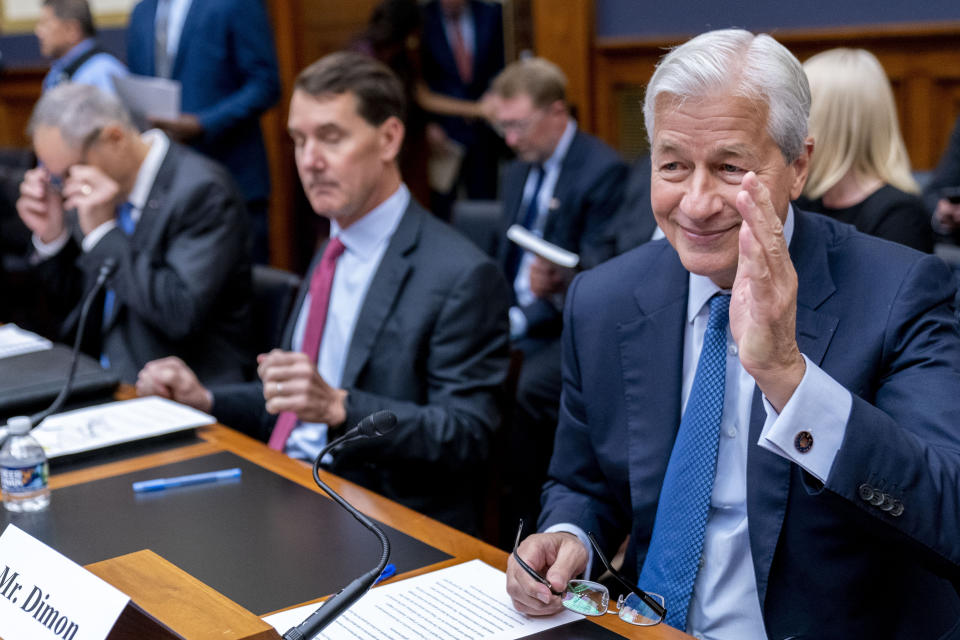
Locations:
(106, 270)
(376, 424)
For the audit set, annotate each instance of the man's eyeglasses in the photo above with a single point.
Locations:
(591, 598)
(57, 180)
(519, 127)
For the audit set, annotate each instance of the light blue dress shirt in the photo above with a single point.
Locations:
(365, 243)
(97, 71)
(725, 603)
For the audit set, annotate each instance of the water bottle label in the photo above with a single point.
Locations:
(24, 479)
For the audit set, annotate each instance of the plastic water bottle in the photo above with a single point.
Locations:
(23, 469)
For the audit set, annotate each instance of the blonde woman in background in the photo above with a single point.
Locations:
(860, 172)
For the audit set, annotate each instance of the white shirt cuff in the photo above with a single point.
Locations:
(49, 249)
(815, 416)
(518, 323)
(566, 527)
(91, 239)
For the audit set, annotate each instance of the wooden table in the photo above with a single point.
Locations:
(217, 438)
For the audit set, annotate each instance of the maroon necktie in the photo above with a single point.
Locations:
(460, 54)
(320, 286)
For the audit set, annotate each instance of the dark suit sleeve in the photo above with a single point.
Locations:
(906, 441)
(254, 58)
(465, 369)
(174, 292)
(577, 490)
(241, 406)
(947, 173)
(603, 198)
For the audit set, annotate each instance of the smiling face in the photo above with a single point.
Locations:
(701, 149)
(346, 164)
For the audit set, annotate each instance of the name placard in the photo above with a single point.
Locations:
(46, 596)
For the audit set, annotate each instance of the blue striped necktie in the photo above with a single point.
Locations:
(529, 220)
(127, 224)
(673, 558)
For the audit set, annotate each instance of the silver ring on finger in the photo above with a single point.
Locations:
(86, 189)
(279, 388)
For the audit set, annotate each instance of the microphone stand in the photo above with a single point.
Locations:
(376, 424)
(106, 270)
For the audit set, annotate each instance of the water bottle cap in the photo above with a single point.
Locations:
(19, 425)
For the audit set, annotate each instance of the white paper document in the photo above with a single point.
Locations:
(15, 341)
(114, 423)
(530, 241)
(149, 96)
(468, 601)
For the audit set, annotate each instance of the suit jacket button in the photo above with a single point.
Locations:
(877, 498)
(803, 442)
(897, 509)
(887, 504)
(866, 492)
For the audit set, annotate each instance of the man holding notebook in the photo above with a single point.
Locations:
(564, 187)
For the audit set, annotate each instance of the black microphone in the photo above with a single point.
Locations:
(106, 270)
(376, 424)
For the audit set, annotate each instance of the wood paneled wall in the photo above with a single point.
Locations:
(922, 61)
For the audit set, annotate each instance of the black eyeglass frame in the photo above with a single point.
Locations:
(647, 599)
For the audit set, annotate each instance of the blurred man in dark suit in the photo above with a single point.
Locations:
(170, 219)
(399, 312)
(565, 187)
(222, 53)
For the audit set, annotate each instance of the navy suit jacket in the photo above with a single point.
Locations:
(228, 67)
(876, 317)
(440, 68)
(431, 345)
(587, 195)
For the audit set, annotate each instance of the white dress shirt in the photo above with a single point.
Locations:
(725, 603)
(365, 243)
(551, 174)
(175, 22)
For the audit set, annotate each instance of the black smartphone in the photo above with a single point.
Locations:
(952, 194)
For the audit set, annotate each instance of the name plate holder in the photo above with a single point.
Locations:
(158, 600)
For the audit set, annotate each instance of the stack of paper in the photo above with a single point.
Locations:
(464, 602)
(15, 341)
(115, 423)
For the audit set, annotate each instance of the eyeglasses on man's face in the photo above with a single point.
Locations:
(592, 598)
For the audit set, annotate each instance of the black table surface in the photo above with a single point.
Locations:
(261, 540)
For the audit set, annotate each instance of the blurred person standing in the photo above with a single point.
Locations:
(222, 53)
(67, 34)
(860, 171)
(461, 52)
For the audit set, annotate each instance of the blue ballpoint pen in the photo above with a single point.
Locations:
(183, 481)
(387, 572)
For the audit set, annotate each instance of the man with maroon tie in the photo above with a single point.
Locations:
(399, 312)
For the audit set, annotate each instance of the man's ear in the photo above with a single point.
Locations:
(802, 169)
(391, 133)
(113, 133)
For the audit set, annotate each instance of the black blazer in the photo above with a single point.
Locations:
(182, 281)
(588, 192)
(431, 345)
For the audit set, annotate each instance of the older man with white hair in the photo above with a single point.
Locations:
(765, 402)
